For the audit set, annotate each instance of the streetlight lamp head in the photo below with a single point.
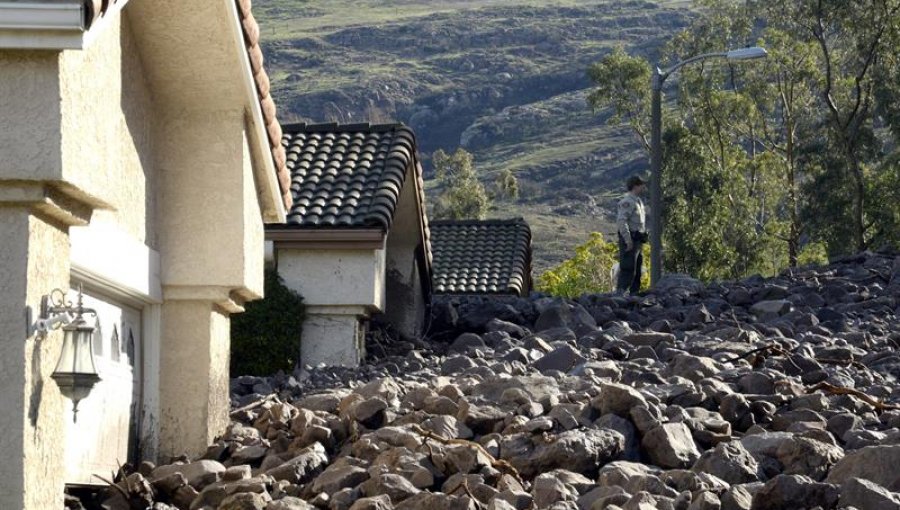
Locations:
(746, 54)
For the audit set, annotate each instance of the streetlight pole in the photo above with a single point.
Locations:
(656, 178)
(657, 81)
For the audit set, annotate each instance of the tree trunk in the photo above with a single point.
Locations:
(859, 229)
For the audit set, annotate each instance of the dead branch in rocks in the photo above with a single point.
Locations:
(835, 361)
(498, 464)
(465, 487)
(752, 352)
(840, 390)
(254, 405)
(779, 351)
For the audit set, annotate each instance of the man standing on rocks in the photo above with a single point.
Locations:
(631, 226)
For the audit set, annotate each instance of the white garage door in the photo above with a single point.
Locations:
(105, 435)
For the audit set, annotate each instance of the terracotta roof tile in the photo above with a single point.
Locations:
(263, 89)
(481, 257)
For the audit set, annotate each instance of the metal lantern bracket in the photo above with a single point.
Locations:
(57, 310)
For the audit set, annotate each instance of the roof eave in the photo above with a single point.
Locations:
(305, 238)
(272, 203)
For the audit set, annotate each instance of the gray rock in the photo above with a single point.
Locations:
(670, 445)
(339, 476)
(482, 419)
(193, 472)
(795, 491)
(737, 497)
(436, 501)
(693, 368)
(305, 466)
(579, 451)
(804, 456)
(547, 489)
(729, 461)
(499, 504)
(465, 342)
(650, 339)
(519, 500)
(876, 464)
(289, 503)
(867, 495)
(634, 477)
(561, 359)
(777, 307)
(466, 459)
(373, 503)
(617, 399)
(456, 364)
(370, 412)
(245, 501)
(513, 330)
(705, 500)
(392, 485)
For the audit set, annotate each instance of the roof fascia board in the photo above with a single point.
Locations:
(43, 26)
(326, 239)
(272, 204)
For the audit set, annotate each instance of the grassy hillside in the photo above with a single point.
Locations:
(503, 78)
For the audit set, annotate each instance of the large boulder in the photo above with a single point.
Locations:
(729, 461)
(795, 491)
(579, 451)
(877, 464)
(671, 445)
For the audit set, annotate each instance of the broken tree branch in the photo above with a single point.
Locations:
(498, 464)
(840, 390)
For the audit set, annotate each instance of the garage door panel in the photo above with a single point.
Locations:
(102, 437)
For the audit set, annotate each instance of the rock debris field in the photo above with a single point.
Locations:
(762, 394)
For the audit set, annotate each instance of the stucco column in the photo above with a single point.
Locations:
(333, 335)
(193, 378)
(34, 259)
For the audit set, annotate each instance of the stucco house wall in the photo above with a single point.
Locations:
(139, 166)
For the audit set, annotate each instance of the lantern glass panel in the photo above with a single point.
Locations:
(77, 356)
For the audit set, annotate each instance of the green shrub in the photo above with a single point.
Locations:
(266, 338)
(588, 272)
(813, 254)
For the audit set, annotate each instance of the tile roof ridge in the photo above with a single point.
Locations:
(490, 221)
(334, 127)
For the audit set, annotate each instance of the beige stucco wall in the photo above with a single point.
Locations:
(335, 277)
(30, 130)
(107, 116)
(32, 402)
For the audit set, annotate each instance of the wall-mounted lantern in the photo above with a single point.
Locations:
(75, 373)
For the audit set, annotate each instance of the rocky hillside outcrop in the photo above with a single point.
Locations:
(759, 394)
(504, 79)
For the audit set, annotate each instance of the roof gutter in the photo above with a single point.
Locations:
(42, 25)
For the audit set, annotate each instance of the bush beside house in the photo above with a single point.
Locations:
(589, 271)
(266, 338)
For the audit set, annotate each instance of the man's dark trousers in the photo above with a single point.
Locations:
(630, 264)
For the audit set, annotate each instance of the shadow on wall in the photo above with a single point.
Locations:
(266, 338)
